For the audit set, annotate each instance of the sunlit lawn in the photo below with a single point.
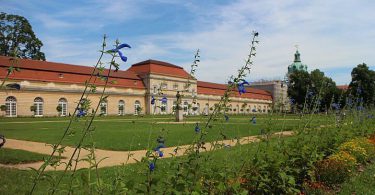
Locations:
(130, 132)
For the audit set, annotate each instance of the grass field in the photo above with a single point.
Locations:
(12, 156)
(133, 133)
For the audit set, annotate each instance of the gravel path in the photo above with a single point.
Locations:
(112, 158)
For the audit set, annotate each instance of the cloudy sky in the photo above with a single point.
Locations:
(332, 35)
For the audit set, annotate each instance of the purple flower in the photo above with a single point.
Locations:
(151, 166)
(152, 100)
(336, 106)
(81, 113)
(241, 87)
(161, 154)
(226, 118)
(292, 101)
(254, 120)
(117, 49)
(197, 129)
(164, 99)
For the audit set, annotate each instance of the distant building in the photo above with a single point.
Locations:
(278, 90)
(343, 87)
(53, 89)
(297, 64)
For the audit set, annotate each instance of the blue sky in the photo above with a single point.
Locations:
(333, 36)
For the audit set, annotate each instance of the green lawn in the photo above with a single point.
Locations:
(130, 132)
(362, 183)
(12, 156)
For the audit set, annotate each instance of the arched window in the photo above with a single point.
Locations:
(38, 106)
(62, 107)
(137, 107)
(206, 109)
(121, 107)
(103, 107)
(11, 106)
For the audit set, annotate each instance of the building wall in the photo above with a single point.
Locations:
(52, 92)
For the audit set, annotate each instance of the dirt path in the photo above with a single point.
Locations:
(112, 158)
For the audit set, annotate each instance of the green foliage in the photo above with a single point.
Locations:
(33, 108)
(18, 36)
(363, 84)
(3, 107)
(59, 108)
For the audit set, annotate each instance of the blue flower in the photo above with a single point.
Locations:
(117, 49)
(336, 106)
(310, 93)
(359, 90)
(81, 113)
(161, 145)
(197, 129)
(292, 101)
(152, 100)
(164, 99)
(359, 108)
(241, 87)
(370, 116)
(161, 154)
(151, 166)
(226, 118)
(254, 120)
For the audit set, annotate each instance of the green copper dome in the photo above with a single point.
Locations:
(297, 64)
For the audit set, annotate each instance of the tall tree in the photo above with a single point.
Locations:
(363, 84)
(16, 34)
(299, 82)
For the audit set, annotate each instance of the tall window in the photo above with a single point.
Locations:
(137, 107)
(206, 109)
(38, 104)
(163, 107)
(63, 106)
(11, 106)
(198, 109)
(186, 107)
(103, 107)
(121, 107)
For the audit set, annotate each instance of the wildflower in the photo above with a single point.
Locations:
(197, 129)
(226, 118)
(360, 108)
(370, 116)
(152, 100)
(336, 106)
(359, 90)
(164, 99)
(151, 166)
(161, 154)
(117, 49)
(241, 87)
(254, 120)
(81, 113)
(292, 101)
(310, 94)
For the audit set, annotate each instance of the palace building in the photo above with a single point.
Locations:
(43, 88)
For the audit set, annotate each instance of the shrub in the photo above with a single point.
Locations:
(335, 169)
(3, 107)
(360, 148)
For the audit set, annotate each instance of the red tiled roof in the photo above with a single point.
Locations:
(159, 67)
(65, 73)
(343, 87)
(219, 89)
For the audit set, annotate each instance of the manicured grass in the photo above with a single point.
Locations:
(12, 156)
(130, 132)
(131, 175)
(362, 183)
